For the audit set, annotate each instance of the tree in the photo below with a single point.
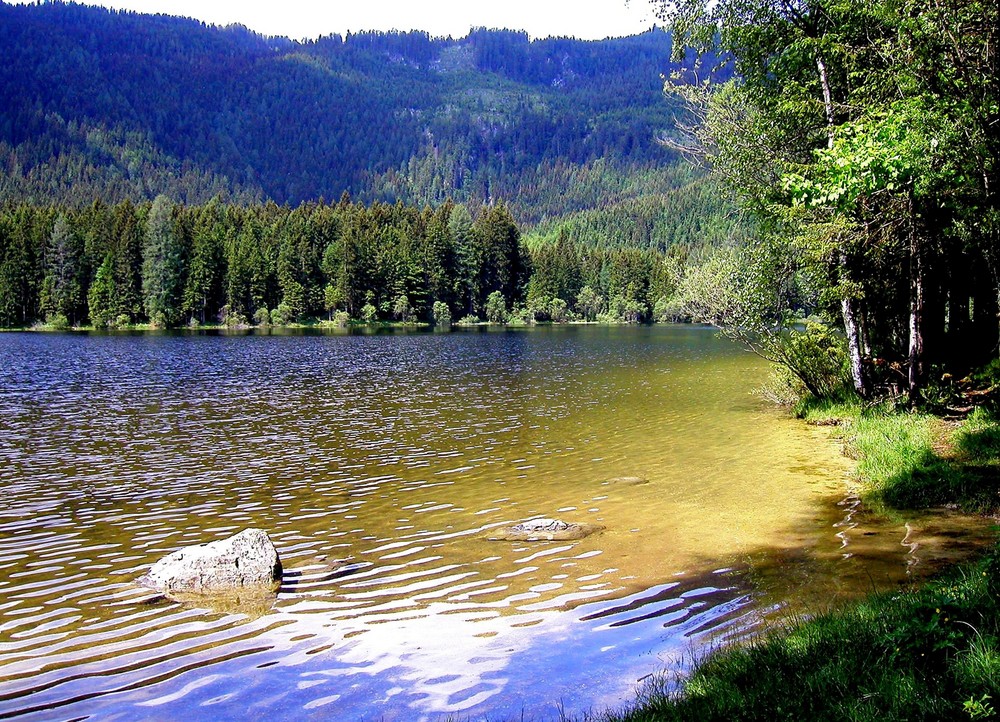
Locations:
(202, 289)
(439, 261)
(333, 299)
(442, 314)
(101, 296)
(589, 303)
(127, 233)
(467, 259)
(504, 269)
(162, 265)
(402, 309)
(62, 293)
(16, 273)
(496, 308)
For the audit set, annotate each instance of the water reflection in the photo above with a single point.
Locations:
(379, 465)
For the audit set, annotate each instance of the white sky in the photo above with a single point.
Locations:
(299, 19)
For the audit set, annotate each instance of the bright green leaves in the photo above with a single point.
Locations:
(880, 154)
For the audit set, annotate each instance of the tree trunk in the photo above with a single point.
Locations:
(848, 308)
(848, 305)
(917, 292)
(824, 82)
(852, 329)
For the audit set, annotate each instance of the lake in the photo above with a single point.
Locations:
(379, 464)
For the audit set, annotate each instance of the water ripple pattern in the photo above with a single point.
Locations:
(379, 465)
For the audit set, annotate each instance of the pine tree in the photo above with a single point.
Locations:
(101, 296)
(61, 288)
(162, 265)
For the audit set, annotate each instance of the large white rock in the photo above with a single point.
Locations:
(247, 559)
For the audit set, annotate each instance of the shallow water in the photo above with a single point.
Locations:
(379, 465)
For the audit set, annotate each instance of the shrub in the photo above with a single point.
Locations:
(624, 310)
(282, 315)
(817, 356)
(558, 310)
(230, 318)
(496, 308)
(342, 319)
(402, 309)
(782, 387)
(667, 310)
(262, 317)
(57, 322)
(589, 304)
(158, 320)
(441, 313)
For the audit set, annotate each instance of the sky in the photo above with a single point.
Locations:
(308, 19)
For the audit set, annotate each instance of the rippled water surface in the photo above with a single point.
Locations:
(379, 465)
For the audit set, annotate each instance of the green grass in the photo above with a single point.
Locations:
(912, 460)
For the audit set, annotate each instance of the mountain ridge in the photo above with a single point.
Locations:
(117, 104)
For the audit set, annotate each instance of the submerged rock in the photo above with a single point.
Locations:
(626, 481)
(543, 530)
(247, 560)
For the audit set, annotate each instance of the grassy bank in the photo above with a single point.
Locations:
(927, 654)
(910, 460)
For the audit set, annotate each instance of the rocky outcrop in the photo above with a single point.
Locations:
(543, 530)
(247, 560)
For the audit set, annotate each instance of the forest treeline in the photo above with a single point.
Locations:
(170, 264)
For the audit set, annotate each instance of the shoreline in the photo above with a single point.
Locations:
(930, 652)
(334, 326)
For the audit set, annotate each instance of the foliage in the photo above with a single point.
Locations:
(101, 296)
(817, 355)
(496, 309)
(283, 315)
(61, 294)
(341, 319)
(162, 259)
(56, 322)
(884, 152)
(589, 303)
(866, 135)
(402, 309)
(754, 294)
(441, 314)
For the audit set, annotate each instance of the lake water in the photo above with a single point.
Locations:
(379, 464)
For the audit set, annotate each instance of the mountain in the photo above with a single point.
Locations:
(96, 103)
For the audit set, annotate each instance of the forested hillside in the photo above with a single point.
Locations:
(117, 105)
